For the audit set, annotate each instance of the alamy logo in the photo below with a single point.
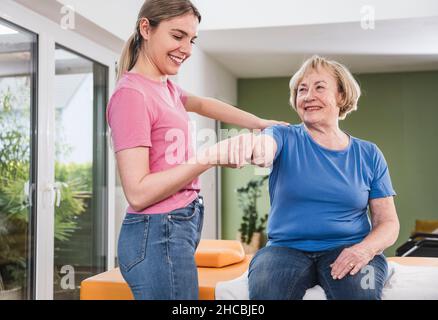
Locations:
(68, 281)
(368, 281)
(68, 18)
(368, 18)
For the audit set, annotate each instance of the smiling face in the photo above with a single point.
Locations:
(318, 97)
(170, 44)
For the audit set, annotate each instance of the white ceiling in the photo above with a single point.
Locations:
(394, 45)
(242, 14)
(256, 38)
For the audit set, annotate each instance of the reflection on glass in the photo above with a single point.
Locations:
(79, 172)
(17, 74)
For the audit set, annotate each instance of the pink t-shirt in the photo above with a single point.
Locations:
(147, 113)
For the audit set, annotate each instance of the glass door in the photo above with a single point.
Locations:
(17, 161)
(80, 171)
(56, 180)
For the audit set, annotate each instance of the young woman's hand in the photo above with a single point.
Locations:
(267, 123)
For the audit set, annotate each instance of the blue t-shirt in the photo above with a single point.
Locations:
(319, 197)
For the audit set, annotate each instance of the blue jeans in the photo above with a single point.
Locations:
(156, 253)
(280, 273)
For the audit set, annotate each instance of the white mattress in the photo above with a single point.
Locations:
(403, 283)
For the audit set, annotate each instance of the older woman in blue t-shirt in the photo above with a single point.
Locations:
(322, 183)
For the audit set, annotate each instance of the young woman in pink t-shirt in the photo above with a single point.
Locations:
(159, 171)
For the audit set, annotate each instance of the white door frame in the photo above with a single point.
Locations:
(49, 33)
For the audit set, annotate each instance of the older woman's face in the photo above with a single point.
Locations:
(318, 97)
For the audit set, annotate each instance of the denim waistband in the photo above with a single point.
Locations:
(199, 199)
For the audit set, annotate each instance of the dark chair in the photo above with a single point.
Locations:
(420, 244)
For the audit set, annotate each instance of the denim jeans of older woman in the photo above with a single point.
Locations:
(156, 253)
(279, 273)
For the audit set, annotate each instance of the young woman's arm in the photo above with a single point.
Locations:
(218, 110)
(142, 188)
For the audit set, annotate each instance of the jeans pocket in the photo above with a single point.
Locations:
(183, 225)
(200, 224)
(186, 213)
(133, 241)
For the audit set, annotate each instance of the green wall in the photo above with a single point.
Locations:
(397, 111)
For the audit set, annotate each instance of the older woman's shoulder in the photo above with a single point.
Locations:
(368, 147)
(285, 130)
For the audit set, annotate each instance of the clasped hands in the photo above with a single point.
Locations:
(240, 150)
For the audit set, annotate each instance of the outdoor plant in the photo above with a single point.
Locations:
(247, 199)
(14, 203)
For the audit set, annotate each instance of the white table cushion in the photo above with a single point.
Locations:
(403, 283)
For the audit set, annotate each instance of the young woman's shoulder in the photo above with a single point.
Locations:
(127, 97)
(129, 83)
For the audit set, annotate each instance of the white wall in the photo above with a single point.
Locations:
(203, 76)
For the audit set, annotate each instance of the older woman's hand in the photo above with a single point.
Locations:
(351, 260)
(234, 152)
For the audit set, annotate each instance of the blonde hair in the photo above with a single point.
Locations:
(347, 85)
(155, 11)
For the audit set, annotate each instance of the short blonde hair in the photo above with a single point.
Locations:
(347, 85)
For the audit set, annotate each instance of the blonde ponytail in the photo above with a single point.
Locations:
(129, 55)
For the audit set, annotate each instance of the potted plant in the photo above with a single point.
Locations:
(251, 231)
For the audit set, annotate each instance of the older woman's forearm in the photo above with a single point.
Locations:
(382, 236)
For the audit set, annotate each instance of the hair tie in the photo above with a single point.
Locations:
(137, 38)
